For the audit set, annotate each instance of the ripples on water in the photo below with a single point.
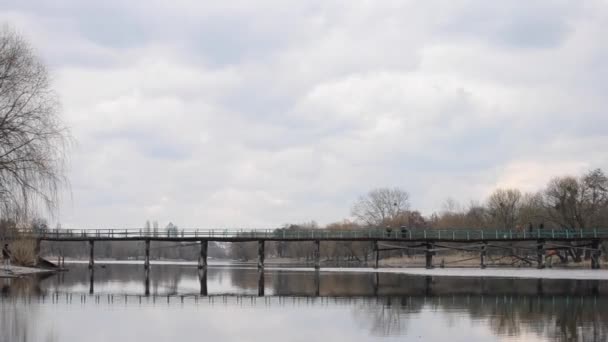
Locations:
(179, 303)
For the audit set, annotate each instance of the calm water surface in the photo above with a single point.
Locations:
(179, 303)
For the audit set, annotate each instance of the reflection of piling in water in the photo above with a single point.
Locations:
(91, 281)
(147, 281)
(261, 283)
(595, 287)
(428, 285)
(202, 278)
(376, 283)
(539, 286)
(317, 283)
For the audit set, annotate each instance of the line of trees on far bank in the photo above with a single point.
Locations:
(566, 202)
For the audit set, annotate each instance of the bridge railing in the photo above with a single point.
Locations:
(313, 234)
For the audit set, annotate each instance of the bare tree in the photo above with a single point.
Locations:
(576, 203)
(563, 202)
(504, 207)
(33, 139)
(380, 206)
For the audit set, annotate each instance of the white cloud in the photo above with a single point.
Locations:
(257, 114)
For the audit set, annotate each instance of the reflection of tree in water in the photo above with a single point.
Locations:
(567, 310)
(561, 318)
(18, 320)
(386, 316)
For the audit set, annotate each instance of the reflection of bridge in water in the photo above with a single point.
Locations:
(385, 303)
(382, 285)
(412, 301)
(429, 242)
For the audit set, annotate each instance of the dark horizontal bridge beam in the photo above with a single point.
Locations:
(373, 234)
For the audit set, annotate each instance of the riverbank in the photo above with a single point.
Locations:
(21, 271)
(520, 273)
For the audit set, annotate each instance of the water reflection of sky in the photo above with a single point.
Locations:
(232, 323)
(351, 307)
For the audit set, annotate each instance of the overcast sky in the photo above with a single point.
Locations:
(259, 113)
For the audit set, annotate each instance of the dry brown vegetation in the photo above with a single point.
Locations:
(24, 252)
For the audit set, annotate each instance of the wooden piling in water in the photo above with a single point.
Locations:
(261, 254)
(37, 251)
(429, 255)
(540, 253)
(317, 254)
(92, 254)
(202, 258)
(482, 255)
(377, 252)
(595, 254)
(147, 255)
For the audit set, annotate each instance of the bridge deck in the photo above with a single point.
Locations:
(377, 234)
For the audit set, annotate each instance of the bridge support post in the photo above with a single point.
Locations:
(429, 255)
(202, 258)
(483, 254)
(540, 253)
(147, 255)
(91, 254)
(595, 254)
(37, 251)
(377, 253)
(261, 254)
(317, 254)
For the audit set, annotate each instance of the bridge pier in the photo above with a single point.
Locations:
(540, 253)
(595, 254)
(37, 251)
(147, 255)
(483, 254)
(91, 254)
(202, 258)
(261, 255)
(317, 254)
(429, 255)
(377, 253)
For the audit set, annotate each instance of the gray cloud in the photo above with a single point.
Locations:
(257, 114)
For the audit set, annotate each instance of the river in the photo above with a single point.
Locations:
(118, 302)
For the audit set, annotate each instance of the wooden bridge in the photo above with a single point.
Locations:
(429, 241)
